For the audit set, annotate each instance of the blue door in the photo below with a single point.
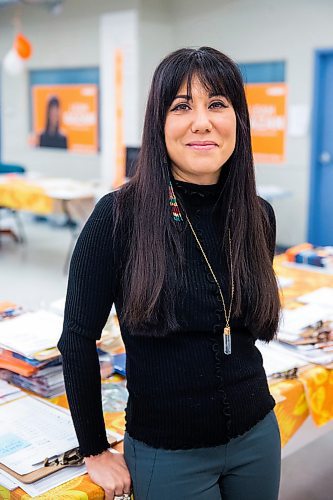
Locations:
(321, 188)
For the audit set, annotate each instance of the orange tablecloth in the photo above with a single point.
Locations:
(312, 392)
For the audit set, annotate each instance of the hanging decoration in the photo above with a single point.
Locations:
(14, 60)
(13, 64)
(22, 46)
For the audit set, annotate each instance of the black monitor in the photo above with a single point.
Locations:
(132, 154)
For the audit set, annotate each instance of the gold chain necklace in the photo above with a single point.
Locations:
(227, 330)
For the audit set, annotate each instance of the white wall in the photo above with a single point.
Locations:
(267, 30)
(69, 40)
(157, 32)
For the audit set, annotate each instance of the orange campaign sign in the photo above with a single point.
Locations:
(267, 108)
(66, 116)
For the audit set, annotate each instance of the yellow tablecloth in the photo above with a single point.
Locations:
(18, 194)
(45, 196)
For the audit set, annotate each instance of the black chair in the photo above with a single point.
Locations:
(19, 237)
(132, 155)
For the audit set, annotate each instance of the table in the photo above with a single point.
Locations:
(47, 196)
(304, 404)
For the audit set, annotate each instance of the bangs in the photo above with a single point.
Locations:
(215, 75)
(210, 78)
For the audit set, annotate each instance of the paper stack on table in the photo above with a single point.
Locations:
(8, 392)
(278, 359)
(110, 341)
(308, 331)
(33, 334)
(28, 354)
(30, 359)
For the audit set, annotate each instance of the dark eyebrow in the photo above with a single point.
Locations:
(214, 94)
(186, 97)
(189, 98)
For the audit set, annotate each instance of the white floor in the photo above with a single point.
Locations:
(33, 275)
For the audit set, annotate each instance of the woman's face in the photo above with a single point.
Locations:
(200, 134)
(54, 115)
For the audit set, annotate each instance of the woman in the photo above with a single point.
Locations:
(51, 137)
(185, 251)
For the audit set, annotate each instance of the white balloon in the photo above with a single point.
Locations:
(13, 63)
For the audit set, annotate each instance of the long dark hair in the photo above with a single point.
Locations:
(154, 257)
(53, 102)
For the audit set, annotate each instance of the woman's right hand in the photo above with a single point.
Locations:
(109, 470)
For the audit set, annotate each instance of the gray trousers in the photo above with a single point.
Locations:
(246, 468)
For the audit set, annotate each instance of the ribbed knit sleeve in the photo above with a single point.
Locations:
(83, 389)
(90, 295)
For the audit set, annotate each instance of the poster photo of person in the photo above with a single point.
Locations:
(51, 137)
(65, 116)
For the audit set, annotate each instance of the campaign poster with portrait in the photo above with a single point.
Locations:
(268, 116)
(65, 116)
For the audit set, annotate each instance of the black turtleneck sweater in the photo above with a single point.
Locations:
(184, 392)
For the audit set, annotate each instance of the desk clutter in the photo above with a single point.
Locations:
(29, 360)
(297, 365)
(307, 254)
(29, 357)
(308, 332)
(306, 325)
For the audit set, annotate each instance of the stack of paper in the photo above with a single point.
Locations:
(28, 352)
(31, 334)
(47, 382)
(308, 331)
(30, 359)
(278, 359)
(8, 392)
(111, 340)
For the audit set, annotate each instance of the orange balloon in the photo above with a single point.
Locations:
(22, 46)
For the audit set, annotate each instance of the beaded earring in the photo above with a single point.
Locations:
(176, 215)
